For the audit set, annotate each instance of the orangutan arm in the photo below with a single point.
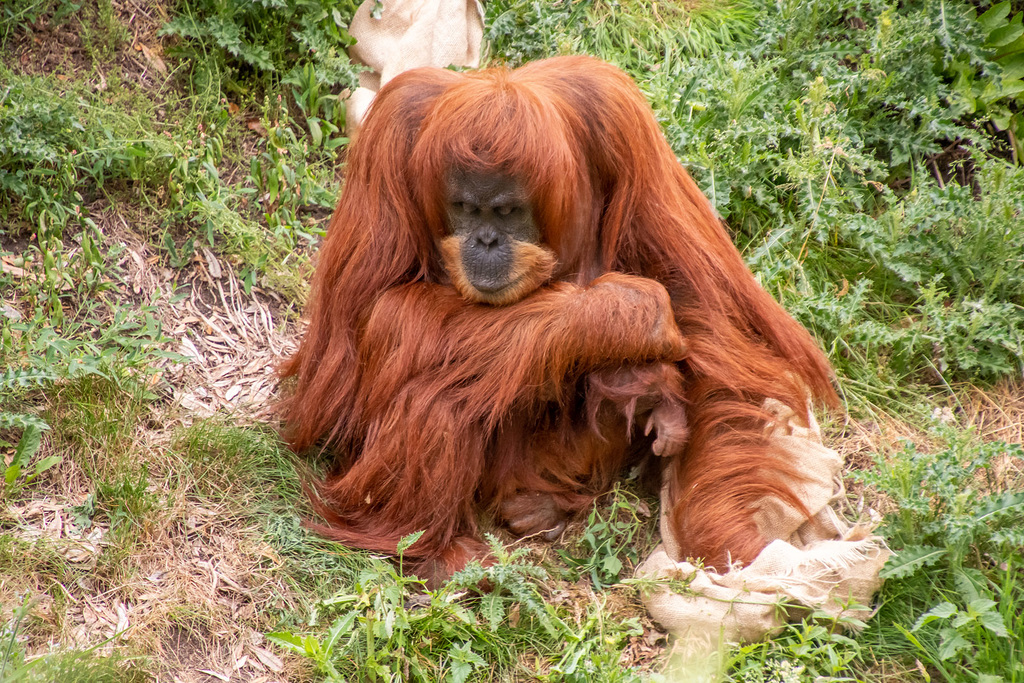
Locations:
(496, 355)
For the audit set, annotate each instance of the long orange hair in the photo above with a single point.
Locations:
(609, 196)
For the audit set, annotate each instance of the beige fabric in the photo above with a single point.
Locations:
(411, 33)
(821, 564)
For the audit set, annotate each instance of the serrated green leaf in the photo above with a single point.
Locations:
(24, 377)
(408, 541)
(288, 641)
(943, 610)
(961, 619)
(909, 560)
(970, 583)
(981, 605)
(952, 643)
(990, 678)
(1006, 503)
(463, 614)
(19, 421)
(182, 26)
(341, 626)
(993, 621)
(492, 608)
(463, 661)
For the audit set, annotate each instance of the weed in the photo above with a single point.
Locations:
(815, 142)
(103, 34)
(613, 530)
(378, 633)
(952, 498)
(806, 651)
(17, 475)
(286, 183)
(634, 35)
(324, 112)
(990, 85)
(128, 500)
(953, 588)
(264, 36)
(16, 13)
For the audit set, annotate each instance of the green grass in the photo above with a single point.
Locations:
(240, 465)
(865, 156)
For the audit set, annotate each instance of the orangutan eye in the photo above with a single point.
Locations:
(469, 208)
(505, 210)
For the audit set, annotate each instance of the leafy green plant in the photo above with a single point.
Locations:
(805, 651)
(857, 149)
(16, 13)
(265, 35)
(380, 635)
(613, 531)
(286, 183)
(827, 140)
(951, 498)
(127, 500)
(50, 153)
(378, 632)
(992, 88)
(634, 34)
(17, 474)
(953, 587)
(324, 112)
(592, 650)
(102, 33)
(96, 342)
(974, 629)
(39, 175)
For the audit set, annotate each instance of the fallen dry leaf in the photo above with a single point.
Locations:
(268, 658)
(256, 126)
(152, 57)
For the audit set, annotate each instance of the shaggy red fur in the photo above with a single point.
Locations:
(437, 408)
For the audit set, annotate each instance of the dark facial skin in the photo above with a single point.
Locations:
(489, 212)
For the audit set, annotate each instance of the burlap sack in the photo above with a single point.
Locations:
(822, 564)
(411, 33)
